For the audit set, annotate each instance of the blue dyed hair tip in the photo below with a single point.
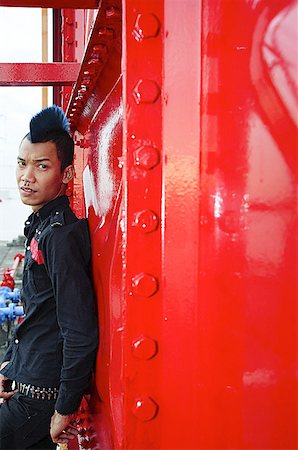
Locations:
(48, 120)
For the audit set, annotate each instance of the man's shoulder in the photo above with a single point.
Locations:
(64, 222)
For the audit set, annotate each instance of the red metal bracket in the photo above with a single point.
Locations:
(38, 74)
(102, 59)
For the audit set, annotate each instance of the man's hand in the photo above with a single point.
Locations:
(63, 428)
(5, 384)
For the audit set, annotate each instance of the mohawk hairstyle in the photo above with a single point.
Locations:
(51, 124)
(47, 120)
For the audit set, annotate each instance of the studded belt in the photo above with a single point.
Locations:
(39, 392)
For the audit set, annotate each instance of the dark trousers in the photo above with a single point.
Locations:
(25, 423)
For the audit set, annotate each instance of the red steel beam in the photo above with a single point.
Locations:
(77, 4)
(38, 74)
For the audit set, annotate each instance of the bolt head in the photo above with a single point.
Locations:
(146, 26)
(144, 348)
(146, 157)
(106, 33)
(146, 91)
(146, 221)
(145, 408)
(113, 12)
(69, 20)
(144, 284)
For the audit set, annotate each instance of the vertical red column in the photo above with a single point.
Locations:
(181, 146)
(143, 32)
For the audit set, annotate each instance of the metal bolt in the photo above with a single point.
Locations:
(144, 284)
(146, 157)
(107, 33)
(146, 91)
(144, 348)
(69, 39)
(100, 49)
(82, 89)
(69, 20)
(89, 72)
(145, 220)
(112, 12)
(145, 408)
(147, 26)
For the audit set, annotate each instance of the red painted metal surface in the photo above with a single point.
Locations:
(38, 74)
(186, 168)
(247, 289)
(83, 4)
(144, 224)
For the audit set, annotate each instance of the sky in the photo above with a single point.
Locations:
(20, 37)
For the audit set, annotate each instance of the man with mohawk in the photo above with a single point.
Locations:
(49, 363)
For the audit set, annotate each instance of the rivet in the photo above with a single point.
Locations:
(112, 11)
(100, 49)
(144, 348)
(144, 284)
(94, 61)
(82, 91)
(145, 220)
(145, 408)
(147, 26)
(69, 20)
(86, 81)
(89, 72)
(146, 157)
(69, 39)
(146, 91)
(107, 33)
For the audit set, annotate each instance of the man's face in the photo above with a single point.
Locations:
(39, 174)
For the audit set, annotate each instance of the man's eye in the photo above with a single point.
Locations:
(21, 163)
(42, 166)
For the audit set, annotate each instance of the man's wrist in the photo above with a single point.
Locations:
(65, 415)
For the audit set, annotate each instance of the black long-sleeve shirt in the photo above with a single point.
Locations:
(56, 343)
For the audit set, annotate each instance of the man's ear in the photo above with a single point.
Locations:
(68, 174)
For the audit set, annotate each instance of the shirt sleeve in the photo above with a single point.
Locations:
(66, 251)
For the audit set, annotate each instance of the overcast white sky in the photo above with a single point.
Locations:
(20, 37)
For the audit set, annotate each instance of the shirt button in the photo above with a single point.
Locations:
(16, 341)
(28, 248)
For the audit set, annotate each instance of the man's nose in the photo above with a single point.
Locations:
(28, 175)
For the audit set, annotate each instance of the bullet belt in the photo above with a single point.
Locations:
(41, 393)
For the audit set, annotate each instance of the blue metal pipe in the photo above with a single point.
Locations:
(7, 295)
(10, 312)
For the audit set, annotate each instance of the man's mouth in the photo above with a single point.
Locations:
(27, 189)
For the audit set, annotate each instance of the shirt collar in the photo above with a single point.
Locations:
(46, 210)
